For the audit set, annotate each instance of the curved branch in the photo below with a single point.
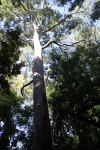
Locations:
(22, 89)
(61, 45)
(61, 21)
(48, 43)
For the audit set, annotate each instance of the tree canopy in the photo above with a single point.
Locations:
(69, 35)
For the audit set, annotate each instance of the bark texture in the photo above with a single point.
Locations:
(41, 124)
(41, 127)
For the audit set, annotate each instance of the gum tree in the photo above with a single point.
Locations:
(43, 25)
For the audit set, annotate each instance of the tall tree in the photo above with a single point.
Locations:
(41, 126)
(37, 17)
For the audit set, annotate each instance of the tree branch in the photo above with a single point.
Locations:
(61, 45)
(22, 89)
(73, 43)
(47, 75)
(68, 44)
(48, 43)
(24, 7)
(40, 22)
(61, 21)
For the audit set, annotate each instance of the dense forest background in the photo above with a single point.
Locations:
(71, 68)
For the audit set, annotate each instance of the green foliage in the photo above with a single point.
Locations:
(74, 99)
(9, 56)
(15, 116)
(76, 3)
(63, 2)
(7, 104)
(96, 12)
(73, 4)
(16, 3)
(74, 78)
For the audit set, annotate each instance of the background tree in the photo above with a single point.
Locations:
(9, 66)
(75, 97)
(53, 27)
(9, 56)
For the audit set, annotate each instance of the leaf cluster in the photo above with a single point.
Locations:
(9, 56)
(75, 97)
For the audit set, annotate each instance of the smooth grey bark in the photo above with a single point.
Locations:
(41, 124)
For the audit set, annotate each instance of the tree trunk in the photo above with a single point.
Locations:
(41, 124)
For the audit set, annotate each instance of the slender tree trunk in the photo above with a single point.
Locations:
(41, 124)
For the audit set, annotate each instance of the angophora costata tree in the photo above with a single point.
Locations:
(40, 18)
